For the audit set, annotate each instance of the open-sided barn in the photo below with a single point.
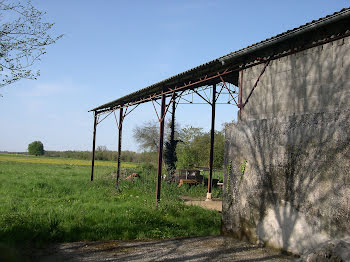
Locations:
(287, 180)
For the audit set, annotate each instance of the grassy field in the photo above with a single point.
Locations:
(58, 161)
(43, 202)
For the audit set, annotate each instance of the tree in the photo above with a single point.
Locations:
(187, 156)
(195, 149)
(188, 134)
(24, 37)
(147, 136)
(36, 148)
(189, 148)
(170, 156)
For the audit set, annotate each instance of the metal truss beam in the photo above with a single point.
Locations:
(186, 86)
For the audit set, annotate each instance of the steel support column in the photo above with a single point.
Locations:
(160, 149)
(120, 129)
(93, 147)
(212, 133)
(172, 126)
(172, 139)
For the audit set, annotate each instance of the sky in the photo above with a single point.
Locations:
(111, 48)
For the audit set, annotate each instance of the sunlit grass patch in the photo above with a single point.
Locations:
(58, 203)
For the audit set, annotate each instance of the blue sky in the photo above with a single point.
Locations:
(112, 48)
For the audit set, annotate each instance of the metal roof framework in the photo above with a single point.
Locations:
(223, 71)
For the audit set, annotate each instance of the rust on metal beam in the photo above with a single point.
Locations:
(234, 65)
(167, 106)
(229, 91)
(256, 83)
(172, 132)
(160, 151)
(156, 95)
(217, 97)
(172, 125)
(212, 135)
(130, 111)
(120, 129)
(93, 147)
(104, 118)
(202, 97)
(155, 109)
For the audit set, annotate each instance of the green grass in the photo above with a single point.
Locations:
(45, 203)
(59, 160)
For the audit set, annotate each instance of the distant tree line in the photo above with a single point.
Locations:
(190, 148)
(102, 153)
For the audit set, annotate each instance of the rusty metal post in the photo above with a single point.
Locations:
(212, 133)
(160, 149)
(240, 96)
(93, 147)
(172, 138)
(120, 129)
(172, 126)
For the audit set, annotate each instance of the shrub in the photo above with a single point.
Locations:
(36, 148)
(146, 168)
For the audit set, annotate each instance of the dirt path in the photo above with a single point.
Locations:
(210, 248)
(214, 204)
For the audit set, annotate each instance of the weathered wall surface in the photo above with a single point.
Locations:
(288, 162)
(314, 80)
(288, 179)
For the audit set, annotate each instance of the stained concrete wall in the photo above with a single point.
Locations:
(287, 181)
(314, 80)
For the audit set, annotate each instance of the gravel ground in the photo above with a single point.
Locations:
(210, 248)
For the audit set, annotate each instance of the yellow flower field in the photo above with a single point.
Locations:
(59, 161)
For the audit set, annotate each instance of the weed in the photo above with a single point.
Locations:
(243, 166)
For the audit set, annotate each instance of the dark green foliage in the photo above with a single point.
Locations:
(36, 148)
(169, 154)
(170, 157)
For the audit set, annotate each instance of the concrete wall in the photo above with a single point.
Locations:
(287, 180)
(314, 80)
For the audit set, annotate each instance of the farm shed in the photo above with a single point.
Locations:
(287, 157)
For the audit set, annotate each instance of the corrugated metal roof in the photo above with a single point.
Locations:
(345, 12)
(219, 62)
